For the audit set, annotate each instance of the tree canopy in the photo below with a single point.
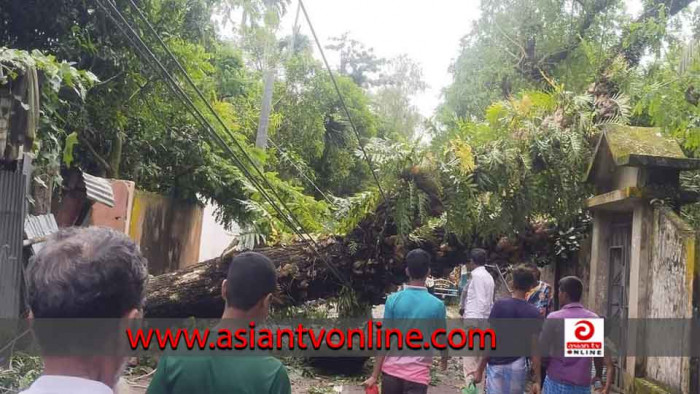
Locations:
(533, 83)
(129, 124)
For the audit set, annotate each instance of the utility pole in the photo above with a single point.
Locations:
(266, 107)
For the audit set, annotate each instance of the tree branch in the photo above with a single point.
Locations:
(548, 62)
(139, 90)
(100, 160)
(633, 50)
(110, 79)
(522, 49)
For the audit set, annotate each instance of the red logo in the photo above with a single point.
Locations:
(584, 337)
(584, 330)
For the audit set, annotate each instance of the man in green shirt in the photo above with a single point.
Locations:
(247, 290)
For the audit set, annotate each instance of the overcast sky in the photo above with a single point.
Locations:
(429, 32)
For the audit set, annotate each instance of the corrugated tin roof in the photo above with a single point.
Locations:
(39, 226)
(99, 189)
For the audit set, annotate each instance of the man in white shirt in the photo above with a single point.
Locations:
(477, 304)
(84, 273)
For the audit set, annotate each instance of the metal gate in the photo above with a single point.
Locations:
(620, 243)
(14, 183)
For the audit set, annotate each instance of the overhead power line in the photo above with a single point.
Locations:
(290, 53)
(342, 102)
(301, 171)
(147, 54)
(297, 227)
(209, 107)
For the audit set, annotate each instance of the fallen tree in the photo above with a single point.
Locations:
(532, 173)
(445, 203)
(370, 268)
(196, 290)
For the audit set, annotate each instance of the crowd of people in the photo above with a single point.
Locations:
(100, 273)
(94, 272)
(531, 298)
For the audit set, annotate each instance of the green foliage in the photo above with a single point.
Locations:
(568, 239)
(515, 46)
(426, 232)
(21, 372)
(528, 168)
(411, 209)
(63, 89)
(267, 226)
(315, 129)
(530, 137)
(392, 157)
(71, 140)
(57, 74)
(131, 126)
(509, 143)
(350, 211)
(667, 98)
(348, 305)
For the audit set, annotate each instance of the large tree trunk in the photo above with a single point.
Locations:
(369, 261)
(370, 268)
(302, 276)
(196, 290)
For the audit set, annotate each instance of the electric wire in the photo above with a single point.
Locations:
(150, 58)
(342, 102)
(300, 170)
(208, 105)
(297, 224)
(284, 154)
(180, 94)
(183, 96)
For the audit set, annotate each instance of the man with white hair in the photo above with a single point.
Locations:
(84, 273)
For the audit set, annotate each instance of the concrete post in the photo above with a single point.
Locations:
(598, 278)
(639, 281)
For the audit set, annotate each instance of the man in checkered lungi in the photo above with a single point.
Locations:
(508, 375)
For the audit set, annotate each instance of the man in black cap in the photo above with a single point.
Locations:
(247, 290)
